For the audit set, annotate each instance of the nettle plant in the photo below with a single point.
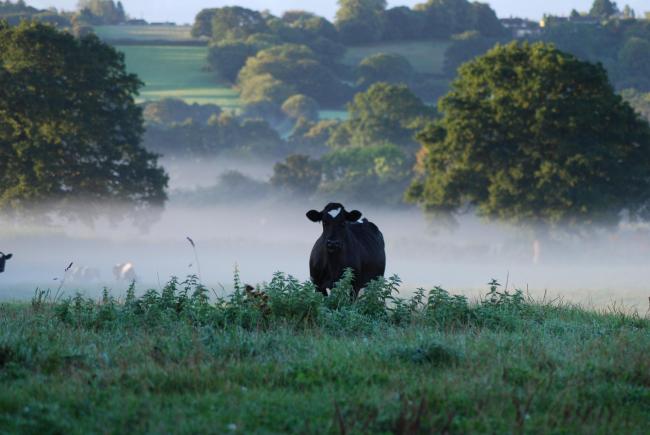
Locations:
(287, 302)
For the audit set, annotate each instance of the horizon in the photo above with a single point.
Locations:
(168, 10)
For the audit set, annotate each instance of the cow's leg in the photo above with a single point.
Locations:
(356, 289)
(321, 287)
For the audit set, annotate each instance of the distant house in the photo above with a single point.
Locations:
(521, 28)
(137, 22)
(579, 20)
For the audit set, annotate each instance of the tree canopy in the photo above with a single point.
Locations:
(236, 22)
(360, 21)
(634, 64)
(384, 67)
(298, 68)
(385, 113)
(69, 126)
(301, 106)
(102, 11)
(443, 18)
(532, 135)
(603, 8)
(376, 174)
(298, 174)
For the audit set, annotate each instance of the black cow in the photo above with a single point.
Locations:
(3, 259)
(346, 242)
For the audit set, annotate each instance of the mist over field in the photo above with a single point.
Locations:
(263, 237)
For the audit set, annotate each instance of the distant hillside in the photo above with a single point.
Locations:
(148, 34)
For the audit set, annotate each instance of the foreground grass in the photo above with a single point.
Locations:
(292, 361)
(178, 72)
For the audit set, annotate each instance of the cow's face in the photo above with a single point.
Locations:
(335, 219)
(4, 258)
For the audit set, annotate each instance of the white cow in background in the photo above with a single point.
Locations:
(124, 272)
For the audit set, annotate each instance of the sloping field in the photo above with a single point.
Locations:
(179, 72)
(425, 56)
(291, 361)
(144, 33)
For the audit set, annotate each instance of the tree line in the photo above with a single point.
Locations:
(357, 22)
(88, 13)
(528, 134)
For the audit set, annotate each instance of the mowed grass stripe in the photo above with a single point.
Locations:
(144, 33)
(178, 72)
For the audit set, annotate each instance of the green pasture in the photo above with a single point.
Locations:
(178, 72)
(144, 33)
(333, 114)
(425, 56)
(288, 360)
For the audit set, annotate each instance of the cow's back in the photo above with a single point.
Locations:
(368, 235)
(373, 255)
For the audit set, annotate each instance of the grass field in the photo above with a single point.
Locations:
(144, 33)
(293, 362)
(176, 71)
(179, 71)
(425, 56)
(333, 114)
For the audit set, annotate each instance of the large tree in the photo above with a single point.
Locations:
(227, 58)
(443, 18)
(603, 9)
(203, 23)
(634, 64)
(298, 174)
(384, 67)
(103, 11)
(297, 67)
(360, 21)
(235, 22)
(385, 113)
(532, 135)
(69, 127)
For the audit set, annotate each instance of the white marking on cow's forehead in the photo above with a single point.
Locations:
(334, 213)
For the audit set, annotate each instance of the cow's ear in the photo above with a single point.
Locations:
(8, 256)
(353, 215)
(314, 216)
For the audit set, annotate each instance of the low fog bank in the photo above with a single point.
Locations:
(203, 172)
(266, 237)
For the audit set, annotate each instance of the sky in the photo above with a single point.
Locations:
(185, 11)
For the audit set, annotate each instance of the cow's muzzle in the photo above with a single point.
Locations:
(333, 246)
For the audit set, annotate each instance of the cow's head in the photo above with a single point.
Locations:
(335, 219)
(4, 258)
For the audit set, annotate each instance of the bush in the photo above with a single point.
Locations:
(384, 67)
(298, 174)
(173, 110)
(301, 106)
(227, 58)
(374, 174)
(286, 302)
(224, 133)
(265, 87)
(297, 67)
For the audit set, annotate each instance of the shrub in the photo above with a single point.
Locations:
(301, 106)
(285, 302)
